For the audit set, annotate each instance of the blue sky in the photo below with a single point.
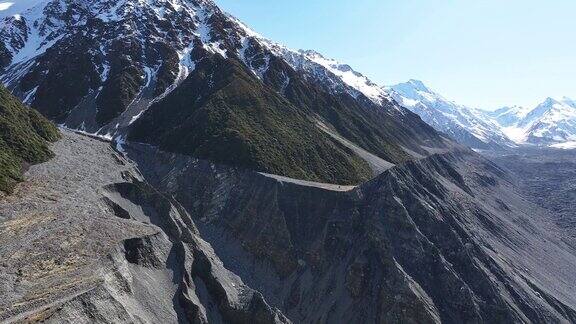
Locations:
(484, 54)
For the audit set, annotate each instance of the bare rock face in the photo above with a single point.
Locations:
(85, 240)
(207, 292)
(444, 239)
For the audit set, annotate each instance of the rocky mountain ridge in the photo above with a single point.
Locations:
(131, 59)
(341, 255)
(444, 239)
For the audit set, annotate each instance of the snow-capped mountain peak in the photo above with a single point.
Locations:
(352, 78)
(549, 108)
(341, 77)
(415, 91)
(150, 41)
(412, 86)
(550, 123)
(464, 124)
(147, 48)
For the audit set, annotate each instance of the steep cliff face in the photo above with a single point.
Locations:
(444, 239)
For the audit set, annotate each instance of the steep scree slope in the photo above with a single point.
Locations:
(84, 240)
(444, 239)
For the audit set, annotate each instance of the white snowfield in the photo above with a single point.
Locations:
(565, 145)
(551, 123)
(448, 116)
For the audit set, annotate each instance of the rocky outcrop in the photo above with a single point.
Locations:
(443, 239)
(207, 292)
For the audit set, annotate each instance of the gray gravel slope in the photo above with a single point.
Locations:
(84, 240)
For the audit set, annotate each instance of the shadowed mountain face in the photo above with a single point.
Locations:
(188, 78)
(24, 138)
(444, 239)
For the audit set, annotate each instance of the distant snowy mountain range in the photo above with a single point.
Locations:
(552, 123)
(466, 125)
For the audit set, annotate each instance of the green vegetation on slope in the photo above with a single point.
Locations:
(383, 132)
(24, 137)
(225, 114)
